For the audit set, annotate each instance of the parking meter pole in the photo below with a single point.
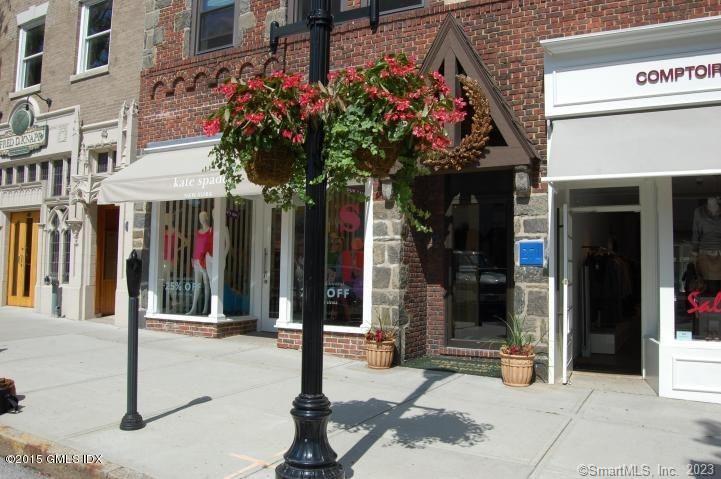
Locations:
(132, 419)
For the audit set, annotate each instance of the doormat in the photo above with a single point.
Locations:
(477, 366)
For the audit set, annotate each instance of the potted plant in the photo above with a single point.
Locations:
(517, 354)
(384, 121)
(263, 124)
(380, 345)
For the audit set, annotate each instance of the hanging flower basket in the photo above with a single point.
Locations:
(263, 125)
(382, 121)
(270, 168)
(378, 165)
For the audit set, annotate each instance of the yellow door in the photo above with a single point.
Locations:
(22, 258)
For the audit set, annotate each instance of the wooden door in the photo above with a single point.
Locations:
(22, 258)
(107, 260)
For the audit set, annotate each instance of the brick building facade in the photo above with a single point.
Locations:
(412, 273)
(72, 88)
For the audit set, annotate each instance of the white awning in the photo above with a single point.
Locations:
(169, 175)
(659, 143)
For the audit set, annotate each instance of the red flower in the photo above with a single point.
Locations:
(245, 98)
(227, 89)
(379, 335)
(280, 106)
(249, 130)
(277, 74)
(255, 118)
(352, 75)
(298, 138)
(211, 127)
(291, 81)
(256, 83)
(287, 134)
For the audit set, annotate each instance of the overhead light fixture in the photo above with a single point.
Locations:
(48, 101)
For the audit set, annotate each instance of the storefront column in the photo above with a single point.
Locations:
(665, 263)
(220, 250)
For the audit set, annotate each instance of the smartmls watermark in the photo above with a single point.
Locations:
(696, 470)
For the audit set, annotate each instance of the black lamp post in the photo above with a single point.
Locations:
(133, 269)
(310, 456)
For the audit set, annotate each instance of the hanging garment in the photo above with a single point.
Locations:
(203, 245)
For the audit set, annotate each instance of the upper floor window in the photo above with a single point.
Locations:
(95, 21)
(215, 24)
(105, 161)
(8, 176)
(57, 185)
(31, 46)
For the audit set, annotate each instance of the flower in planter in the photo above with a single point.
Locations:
(383, 120)
(263, 124)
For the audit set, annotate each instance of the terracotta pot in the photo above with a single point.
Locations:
(517, 370)
(375, 165)
(380, 355)
(8, 384)
(271, 168)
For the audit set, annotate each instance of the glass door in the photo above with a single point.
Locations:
(479, 271)
(272, 224)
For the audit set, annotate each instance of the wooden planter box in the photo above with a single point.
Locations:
(517, 371)
(380, 355)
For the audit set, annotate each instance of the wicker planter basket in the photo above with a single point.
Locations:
(375, 165)
(271, 168)
(8, 384)
(380, 355)
(517, 370)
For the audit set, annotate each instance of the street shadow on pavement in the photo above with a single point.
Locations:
(194, 402)
(409, 425)
(700, 468)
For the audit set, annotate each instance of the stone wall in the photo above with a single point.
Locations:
(530, 298)
(387, 275)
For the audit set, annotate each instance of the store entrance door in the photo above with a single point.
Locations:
(270, 311)
(106, 269)
(22, 258)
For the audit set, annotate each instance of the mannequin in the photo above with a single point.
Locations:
(202, 248)
(173, 243)
(706, 240)
(210, 260)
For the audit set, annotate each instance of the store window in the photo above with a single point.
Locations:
(44, 167)
(32, 43)
(21, 174)
(32, 172)
(9, 176)
(58, 245)
(697, 257)
(236, 288)
(94, 50)
(345, 243)
(186, 270)
(215, 23)
(66, 256)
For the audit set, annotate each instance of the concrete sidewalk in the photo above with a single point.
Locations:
(220, 409)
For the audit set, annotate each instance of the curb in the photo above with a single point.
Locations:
(13, 441)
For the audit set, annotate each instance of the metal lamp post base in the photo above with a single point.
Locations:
(310, 456)
(132, 422)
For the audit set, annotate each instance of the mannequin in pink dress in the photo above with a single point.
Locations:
(202, 247)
